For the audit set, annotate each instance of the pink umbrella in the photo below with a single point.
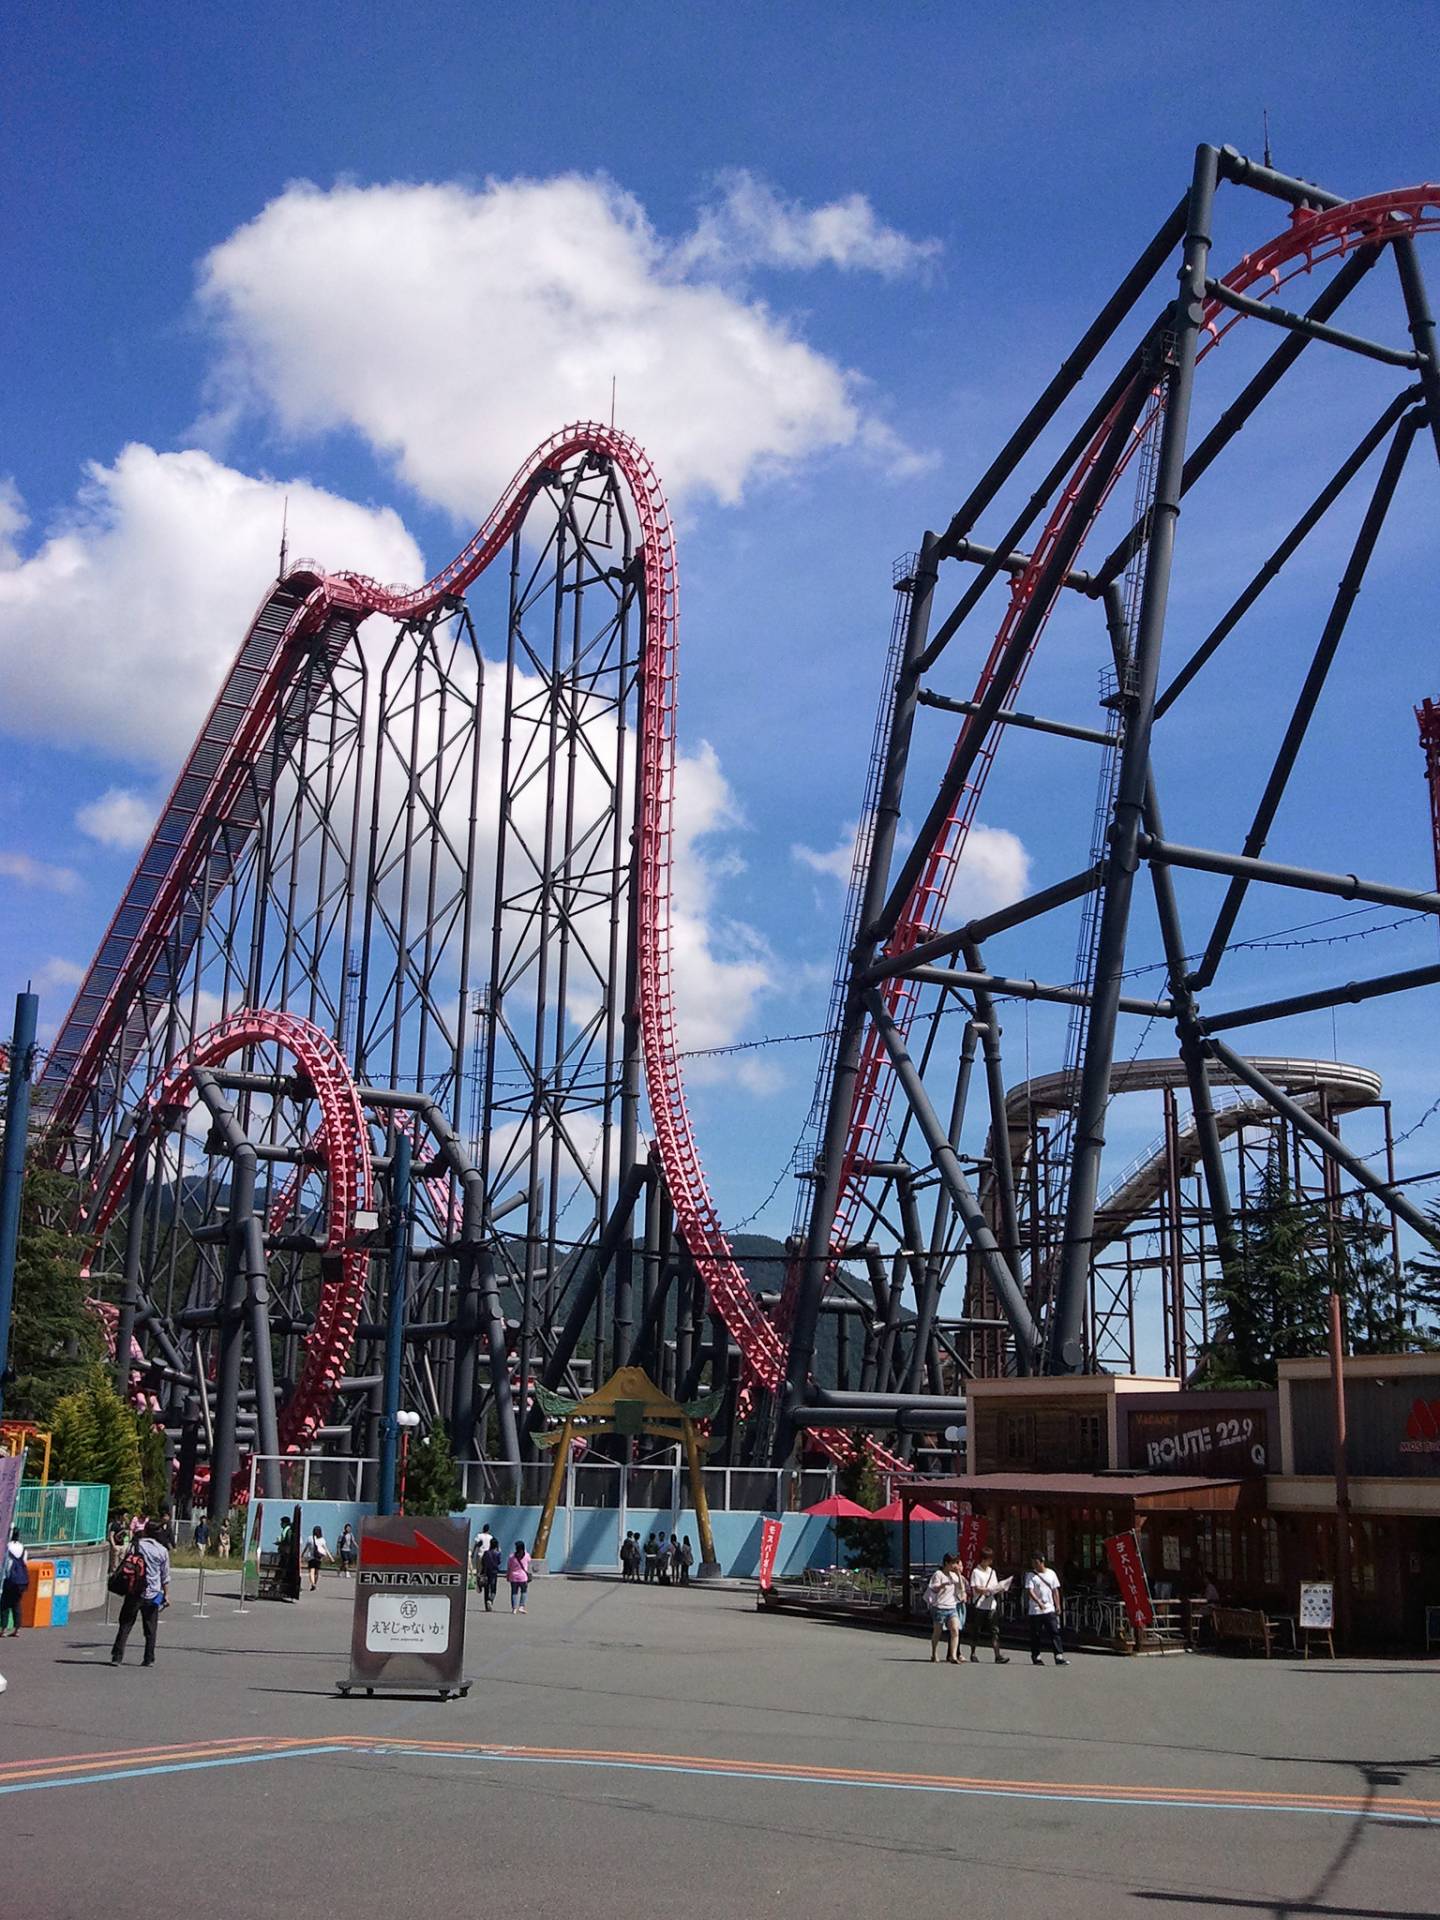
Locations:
(837, 1507)
(895, 1511)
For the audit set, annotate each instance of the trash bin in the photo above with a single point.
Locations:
(60, 1599)
(39, 1597)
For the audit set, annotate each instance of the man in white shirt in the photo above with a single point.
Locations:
(945, 1597)
(1042, 1603)
(986, 1587)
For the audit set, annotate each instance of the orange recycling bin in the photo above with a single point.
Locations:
(39, 1597)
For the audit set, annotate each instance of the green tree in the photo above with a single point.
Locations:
(432, 1480)
(1379, 1316)
(1276, 1304)
(54, 1337)
(1422, 1290)
(154, 1465)
(95, 1441)
(866, 1541)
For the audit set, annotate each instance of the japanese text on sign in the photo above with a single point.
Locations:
(402, 1623)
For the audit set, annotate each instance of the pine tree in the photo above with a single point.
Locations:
(432, 1480)
(54, 1337)
(154, 1464)
(1378, 1317)
(1276, 1305)
(1422, 1289)
(866, 1541)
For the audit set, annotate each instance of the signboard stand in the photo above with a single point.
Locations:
(1317, 1615)
(407, 1633)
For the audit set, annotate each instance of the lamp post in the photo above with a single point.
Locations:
(407, 1423)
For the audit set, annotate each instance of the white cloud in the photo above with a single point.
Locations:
(994, 869)
(838, 862)
(54, 974)
(138, 600)
(490, 317)
(994, 872)
(749, 224)
(13, 520)
(28, 872)
(723, 967)
(118, 818)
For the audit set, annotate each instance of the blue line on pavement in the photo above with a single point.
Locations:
(388, 1749)
(906, 1786)
(99, 1779)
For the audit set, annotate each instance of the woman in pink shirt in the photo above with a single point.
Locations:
(517, 1572)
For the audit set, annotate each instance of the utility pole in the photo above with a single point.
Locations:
(1342, 1477)
(12, 1163)
(390, 1425)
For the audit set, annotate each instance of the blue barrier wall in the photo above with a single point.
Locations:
(587, 1539)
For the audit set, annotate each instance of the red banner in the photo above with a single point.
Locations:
(1123, 1552)
(769, 1547)
(970, 1542)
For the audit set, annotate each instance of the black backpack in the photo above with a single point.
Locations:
(128, 1579)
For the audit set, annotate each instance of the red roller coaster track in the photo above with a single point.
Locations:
(250, 706)
(1311, 239)
(309, 610)
(343, 1145)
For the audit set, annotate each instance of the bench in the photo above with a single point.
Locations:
(1244, 1623)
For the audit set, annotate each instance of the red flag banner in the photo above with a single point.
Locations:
(769, 1547)
(1123, 1552)
(970, 1543)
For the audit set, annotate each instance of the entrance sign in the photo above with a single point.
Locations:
(769, 1547)
(1317, 1605)
(1123, 1552)
(408, 1627)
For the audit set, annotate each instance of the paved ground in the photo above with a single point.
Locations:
(637, 1753)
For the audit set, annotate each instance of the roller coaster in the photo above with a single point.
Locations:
(395, 979)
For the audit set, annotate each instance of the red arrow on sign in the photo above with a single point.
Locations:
(419, 1551)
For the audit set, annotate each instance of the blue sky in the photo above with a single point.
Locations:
(985, 174)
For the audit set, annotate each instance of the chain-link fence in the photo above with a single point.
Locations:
(62, 1515)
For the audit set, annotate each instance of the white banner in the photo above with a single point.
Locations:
(407, 1623)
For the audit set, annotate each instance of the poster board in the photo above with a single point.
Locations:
(1317, 1606)
(407, 1629)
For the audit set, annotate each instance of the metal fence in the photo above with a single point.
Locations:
(62, 1515)
(659, 1486)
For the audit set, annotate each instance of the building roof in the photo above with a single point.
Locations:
(1144, 1489)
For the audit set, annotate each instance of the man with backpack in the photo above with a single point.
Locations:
(143, 1581)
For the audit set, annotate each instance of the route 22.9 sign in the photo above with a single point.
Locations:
(408, 1628)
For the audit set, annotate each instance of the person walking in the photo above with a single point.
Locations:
(201, 1535)
(687, 1560)
(986, 1587)
(14, 1579)
(347, 1549)
(945, 1597)
(1042, 1603)
(517, 1572)
(148, 1594)
(652, 1556)
(490, 1573)
(316, 1551)
(222, 1542)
